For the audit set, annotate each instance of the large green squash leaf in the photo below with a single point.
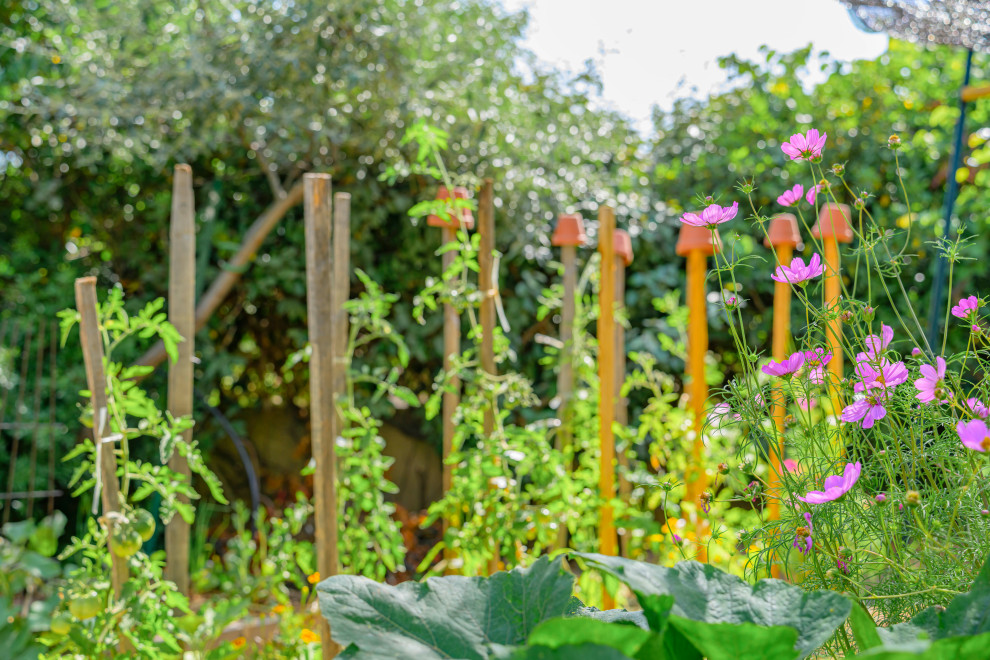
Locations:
(952, 648)
(556, 633)
(705, 594)
(737, 641)
(449, 617)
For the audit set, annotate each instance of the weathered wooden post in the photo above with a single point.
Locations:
(833, 228)
(96, 380)
(451, 334)
(782, 237)
(319, 283)
(181, 314)
(486, 282)
(623, 249)
(568, 235)
(697, 244)
(606, 379)
(340, 292)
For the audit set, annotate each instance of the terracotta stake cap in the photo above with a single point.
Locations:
(694, 238)
(460, 192)
(569, 231)
(783, 231)
(622, 244)
(833, 221)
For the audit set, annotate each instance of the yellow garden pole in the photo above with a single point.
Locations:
(451, 339)
(782, 237)
(568, 235)
(622, 243)
(697, 244)
(833, 228)
(606, 379)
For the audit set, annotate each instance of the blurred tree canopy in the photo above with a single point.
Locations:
(98, 101)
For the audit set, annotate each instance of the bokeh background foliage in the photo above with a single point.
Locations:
(98, 100)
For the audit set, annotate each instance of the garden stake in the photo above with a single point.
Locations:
(181, 314)
(568, 235)
(782, 237)
(96, 381)
(319, 284)
(606, 378)
(833, 228)
(622, 243)
(697, 244)
(451, 339)
(486, 282)
(340, 292)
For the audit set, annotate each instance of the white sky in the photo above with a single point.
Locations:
(645, 49)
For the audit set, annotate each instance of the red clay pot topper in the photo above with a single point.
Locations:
(783, 231)
(833, 220)
(460, 192)
(622, 244)
(694, 238)
(569, 231)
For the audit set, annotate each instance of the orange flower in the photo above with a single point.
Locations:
(278, 609)
(314, 578)
(308, 636)
(239, 643)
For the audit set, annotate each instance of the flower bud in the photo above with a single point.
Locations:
(976, 329)
(723, 468)
(894, 142)
(746, 188)
(838, 169)
(846, 316)
(985, 512)
(881, 498)
(915, 352)
(869, 313)
(709, 200)
(912, 498)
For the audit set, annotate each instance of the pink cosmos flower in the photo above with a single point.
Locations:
(721, 411)
(792, 196)
(816, 359)
(791, 465)
(786, 367)
(805, 404)
(802, 536)
(835, 486)
(868, 410)
(966, 307)
(805, 147)
(877, 344)
(932, 384)
(712, 216)
(883, 374)
(798, 271)
(978, 407)
(974, 434)
(813, 193)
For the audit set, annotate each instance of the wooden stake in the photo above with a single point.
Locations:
(606, 378)
(486, 282)
(96, 380)
(181, 314)
(340, 293)
(319, 282)
(567, 235)
(451, 398)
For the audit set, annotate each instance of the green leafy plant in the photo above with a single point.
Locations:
(689, 611)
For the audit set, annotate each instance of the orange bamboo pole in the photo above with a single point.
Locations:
(697, 244)
(783, 236)
(833, 228)
(606, 379)
(623, 250)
